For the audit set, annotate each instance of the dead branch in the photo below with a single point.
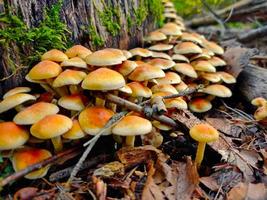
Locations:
(253, 34)
(38, 165)
(64, 173)
(206, 20)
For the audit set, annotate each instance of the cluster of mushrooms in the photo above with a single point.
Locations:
(71, 108)
(261, 113)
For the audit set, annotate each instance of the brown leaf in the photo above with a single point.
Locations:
(100, 188)
(184, 187)
(110, 169)
(210, 183)
(26, 193)
(237, 58)
(225, 126)
(248, 191)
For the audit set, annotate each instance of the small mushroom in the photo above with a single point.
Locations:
(22, 158)
(203, 133)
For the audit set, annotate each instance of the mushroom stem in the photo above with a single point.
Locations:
(19, 108)
(57, 143)
(100, 102)
(62, 91)
(113, 105)
(130, 141)
(200, 153)
(73, 89)
(210, 97)
(138, 57)
(48, 89)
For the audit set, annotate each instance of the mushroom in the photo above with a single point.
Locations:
(139, 91)
(35, 112)
(140, 53)
(188, 37)
(76, 62)
(258, 101)
(199, 105)
(155, 36)
(130, 126)
(203, 66)
(25, 157)
(180, 58)
(12, 136)
(52, 127)
(217, 90)
(170, 78)
(187, 48)
(160, 55)
(203, 133)
(54, 55)
(161, 63)
(75, 132)
(93, 119)
(164, 88)
(161, 47)
(15, 101)
(103, 79)
(74, 102)
(185, 69)
(16, 90)
(79, 51)
(216, 61)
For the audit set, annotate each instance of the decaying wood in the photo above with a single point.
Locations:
(77, 15)
(252, 82)
(253, 34)
(207, 20)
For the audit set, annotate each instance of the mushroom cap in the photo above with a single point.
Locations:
(126, 67)
(74, 62)
(203, 65)
(164, 88)
(227, 78)
(69, 77)
(160, 55)
(170, 15)
(127, 54)
(79, 51)
(180, 58)
(140, 52)
(178, 103)
(16, 90)
(216, 61)
(188, 37)
(258, 101)
(161, 126)
(170, 78)
(132, 125)
(213, 77)
(103, 79)
(105, 57)
(261, 112)
(72, 102)
(204, 133)
(126, 89)
(139, 90)
(212, 46)
(51, 126)
(75, 132)
(203, 56)
(161, 47)
(181, 86)
(171, 29)
(162, 63)
(93, 119)
(15, 100)
(44, 70)
(25, 157)
(35, 112)
(155, 36)
(146, 72)
(12, 135)
(186, 69)
(217, 90)
(54, 55)
(187, 48)
(200, 105)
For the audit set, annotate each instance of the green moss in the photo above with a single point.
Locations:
(130, 22)
(95, 38)
(155, 7)
(50, 33)
(110, 18)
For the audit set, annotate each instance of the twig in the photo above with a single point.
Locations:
(66, 172)
(91, 144)
(239, 112)
(37, 166)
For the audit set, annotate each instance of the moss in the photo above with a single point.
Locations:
(155, 7)
(95, 38)
(130, 22)
(50, 33)
(110, 18)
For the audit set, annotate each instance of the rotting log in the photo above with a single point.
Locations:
(252, 82)
(78, 16)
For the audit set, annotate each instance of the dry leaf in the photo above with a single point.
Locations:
(110, 169)
(248, 191)
(210, 183)
(25, 193)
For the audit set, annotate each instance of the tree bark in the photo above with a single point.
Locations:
(76, 14)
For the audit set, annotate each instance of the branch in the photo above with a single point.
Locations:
(253, 34)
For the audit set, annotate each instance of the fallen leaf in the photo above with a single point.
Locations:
(210, 183)
(25, 193)
(110, 169)
(248, 191)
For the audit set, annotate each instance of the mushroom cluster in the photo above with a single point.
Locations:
(72, 106)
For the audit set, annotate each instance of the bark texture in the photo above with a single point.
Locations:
(76, 14)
